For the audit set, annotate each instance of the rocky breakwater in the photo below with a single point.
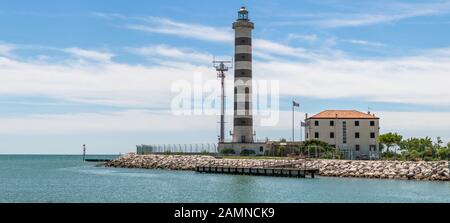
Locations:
(436, 170)
(433, 170)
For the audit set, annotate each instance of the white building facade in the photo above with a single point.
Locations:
(355, 134)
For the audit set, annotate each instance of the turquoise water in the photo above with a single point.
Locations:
(46, 178)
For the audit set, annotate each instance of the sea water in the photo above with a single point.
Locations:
(66, 178)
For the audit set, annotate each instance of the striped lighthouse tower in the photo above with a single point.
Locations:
(243, 121)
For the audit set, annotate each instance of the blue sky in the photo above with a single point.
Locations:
(100, 72)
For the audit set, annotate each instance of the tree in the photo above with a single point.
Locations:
(439, 142)
(443, 153)
(390, 139)
(418, 144)
(437, 146)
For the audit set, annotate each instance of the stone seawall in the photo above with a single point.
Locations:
(434, 170)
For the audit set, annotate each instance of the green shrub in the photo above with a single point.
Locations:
(443, 153)
(415, 155)
(227, 151)
(247, 152)
(329, 155)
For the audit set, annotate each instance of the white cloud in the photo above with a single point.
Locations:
(308, 38)
(266, 47)
(365, 43)
(413, 121)
(196, 31)
(363, 19)
(6, 49)
(409, 124)
(124, 121)
(418, 79)
(173, 53)
(374, 13)
(89, 54)
(261, 47)
(416, 124)
(99, 83)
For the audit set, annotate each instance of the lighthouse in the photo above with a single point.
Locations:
(243, 138)
(243, 119)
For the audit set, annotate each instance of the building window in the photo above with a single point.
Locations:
(242, 138)
(373, 148)
(357, 147)
(247, 101)
(261, 149)
(357, 135)
(316, 135)
(331, 123)
(344, 132)
(372, 135)
(372, 123)
(307, 135)
(332, 135)
(316, 123)
(356, 123)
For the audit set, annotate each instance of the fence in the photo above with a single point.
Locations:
(280, 151)
(202, 148)
(314, 151)
(309, 151)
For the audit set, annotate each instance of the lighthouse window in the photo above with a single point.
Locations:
(247, 101)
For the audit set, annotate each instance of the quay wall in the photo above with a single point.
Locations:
(418, 170)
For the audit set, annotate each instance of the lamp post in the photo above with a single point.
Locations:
(84, 152)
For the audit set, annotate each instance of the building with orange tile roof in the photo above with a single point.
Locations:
(353, 133)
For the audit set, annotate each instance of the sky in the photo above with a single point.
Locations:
(104, 72)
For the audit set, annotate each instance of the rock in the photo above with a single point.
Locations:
(339, 168)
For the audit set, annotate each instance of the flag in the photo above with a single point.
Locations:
(295, 104)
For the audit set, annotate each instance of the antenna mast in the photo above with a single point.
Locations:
(222, 66)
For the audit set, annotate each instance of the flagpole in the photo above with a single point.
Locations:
(293, 123)
(301, 133)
